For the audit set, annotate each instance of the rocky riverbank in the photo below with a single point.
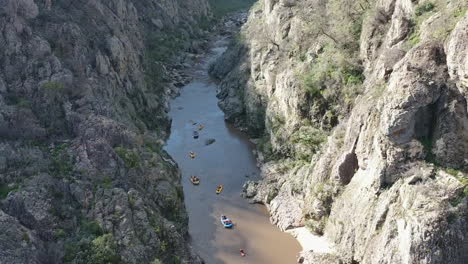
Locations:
(359, 113)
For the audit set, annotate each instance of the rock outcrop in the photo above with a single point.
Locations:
(360, 109)
(83, 103)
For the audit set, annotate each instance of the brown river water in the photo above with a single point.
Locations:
(227, 162)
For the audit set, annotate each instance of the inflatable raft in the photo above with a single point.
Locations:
(227, 223)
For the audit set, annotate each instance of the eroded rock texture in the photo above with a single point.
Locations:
(83, 89)
(360, 108)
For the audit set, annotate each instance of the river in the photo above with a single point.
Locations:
(228, 161)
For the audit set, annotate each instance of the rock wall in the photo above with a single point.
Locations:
(83, 103)
(360, 113)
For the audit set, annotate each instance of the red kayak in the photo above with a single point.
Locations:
(242, 252)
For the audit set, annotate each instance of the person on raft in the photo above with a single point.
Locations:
(226, 220)
(242, 252)
(192, 155)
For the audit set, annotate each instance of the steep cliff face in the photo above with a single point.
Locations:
(83, 89)
(360, 110)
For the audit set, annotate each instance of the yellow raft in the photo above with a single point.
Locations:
(219, 189)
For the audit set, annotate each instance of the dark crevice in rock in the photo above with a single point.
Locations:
(425, 119)
(424, 126)
(350, 164)
(348, 168)
(381, 220)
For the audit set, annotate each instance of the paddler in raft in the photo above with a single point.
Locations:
(192, 155)
(195, 180)
(219, 189)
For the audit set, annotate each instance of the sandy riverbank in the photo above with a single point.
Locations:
(310, 241)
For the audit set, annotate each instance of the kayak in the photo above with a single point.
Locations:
(242, 252)
(219, 189)
(195, 134)
(195, 180)
(227, 223)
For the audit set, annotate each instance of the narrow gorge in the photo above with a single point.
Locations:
(343, 123)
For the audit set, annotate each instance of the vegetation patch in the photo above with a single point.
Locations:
(26, 237)
(308, 141)
(106, 182)
(316, 226)
(53, 87)
(266, 148)
(442, 25)
(427, 145)
(332, 82)
(24, 103)
(424, 8)
(131, 158)
(55, 90)
(5, 189)
(91, 228)
(102, 249)
(59, 233)
(161, 46)
(61, 161)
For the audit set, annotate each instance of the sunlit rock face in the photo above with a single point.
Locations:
(360, 110)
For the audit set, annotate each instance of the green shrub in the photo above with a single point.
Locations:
(100, 250)
(52, 86)
(106, 182)
(91, 228)
(414, 38)
(26, 237)
(331, 85)
(163, 246)
(104, 250)
(130, 157)
(353, 76)
(356, 28)
(316, 226)
(424, 8)
(459, 12)
(452, 172)
(310, 137)
(265, 146)
(55, 90)
(24, 103)
(161, 46)
(5, 189)
(427, 145)
(61, 164)
(457, 200)
(272, 193)
(59, 233)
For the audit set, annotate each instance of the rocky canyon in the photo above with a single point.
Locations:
(357, 110)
